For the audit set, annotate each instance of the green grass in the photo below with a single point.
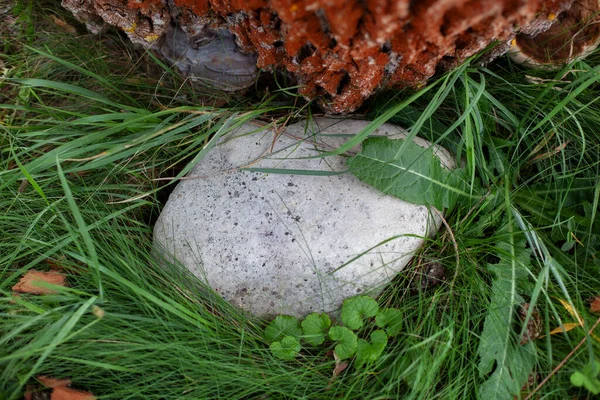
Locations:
(92, 136)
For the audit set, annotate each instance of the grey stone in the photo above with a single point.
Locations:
(276, 243)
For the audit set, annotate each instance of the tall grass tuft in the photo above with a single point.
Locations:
(94, 133)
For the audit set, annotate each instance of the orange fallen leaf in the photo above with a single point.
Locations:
(65, 393)
(53, 382)
(30, 282)
(569, 325)
(55, 265)
(595, 305)
(571, 311)
(565, 328)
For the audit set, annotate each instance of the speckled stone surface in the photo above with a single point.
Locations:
(286, 243)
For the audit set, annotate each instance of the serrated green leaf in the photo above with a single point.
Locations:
(368, 352)
(588, 377)
(356, 308)
(499, 346)
(282, 325)
(413, 174)
(314, 327)
(347, 341)
(286, 349)
(389, 319)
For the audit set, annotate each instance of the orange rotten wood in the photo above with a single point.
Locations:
(66, 393)
(53, 382)
(339, 51)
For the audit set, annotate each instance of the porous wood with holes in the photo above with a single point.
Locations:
(340, 51)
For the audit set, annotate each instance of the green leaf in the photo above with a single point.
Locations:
(368, 352)
(286, 349)
(499, 346)
(389, 319)
(588, 377)
(314, 327)
(347, 341)
(282, 325)
(413, 174)
(355, 308)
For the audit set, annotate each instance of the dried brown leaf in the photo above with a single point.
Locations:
(53, 382)
(65, 393)
(30, 282)
(571, 311)
(98, 312)
(55, 265)
(534, 325)
(595, 305)
(340, 366)
(28, 395)
(65, 25)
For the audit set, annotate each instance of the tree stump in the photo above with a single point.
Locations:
(339, 51)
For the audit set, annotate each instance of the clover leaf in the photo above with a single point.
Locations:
(286, 349)
(588, 377)
(282, 325)
(355, 308)
(389, 319)
(347, 341)
(314, 327)
(368, 352)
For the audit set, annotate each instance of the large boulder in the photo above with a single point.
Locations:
(274, 242)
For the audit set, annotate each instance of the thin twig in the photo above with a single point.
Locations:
(564, 361)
